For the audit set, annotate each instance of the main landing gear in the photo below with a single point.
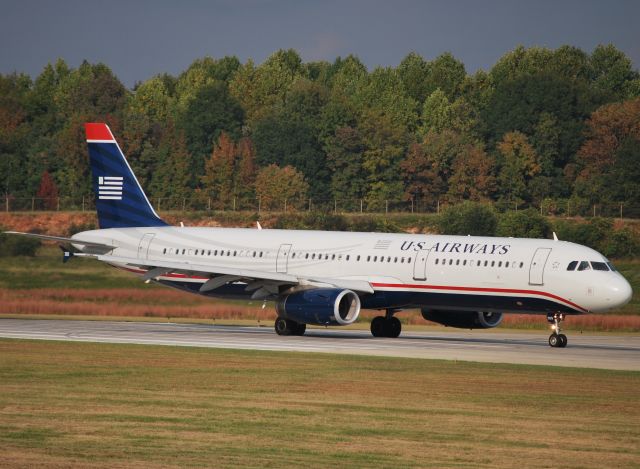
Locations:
(556, 339)
(288, 327)
(386, 326)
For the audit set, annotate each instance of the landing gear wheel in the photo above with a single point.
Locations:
(394, 327)
(283, 326)
(556, 339)
(288, 327)
(299, 329)
(378, 326)
(563, 340)
(386, 327)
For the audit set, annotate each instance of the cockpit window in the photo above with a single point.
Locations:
(599, 266)
(613, 269)
(572, 265)
(584, 265)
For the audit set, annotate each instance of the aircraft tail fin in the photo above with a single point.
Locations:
(120, 201)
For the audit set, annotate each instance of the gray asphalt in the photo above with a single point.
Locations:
(616, 352)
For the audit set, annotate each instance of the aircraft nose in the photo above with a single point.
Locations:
(620, 292)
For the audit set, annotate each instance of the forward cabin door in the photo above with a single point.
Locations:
(536, 270)
(420, 264)
(282, 260)
(143, 247)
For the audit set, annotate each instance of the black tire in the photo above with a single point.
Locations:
(299, 329)
(554, 340)
(378, 326)
(282, 326)
(563, 340)
(393, 327)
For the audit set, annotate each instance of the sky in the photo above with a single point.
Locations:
(139, 39)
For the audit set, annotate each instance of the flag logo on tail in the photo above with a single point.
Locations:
(110, 187)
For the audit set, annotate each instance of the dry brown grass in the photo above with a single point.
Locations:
(96, 405)
(168, 303)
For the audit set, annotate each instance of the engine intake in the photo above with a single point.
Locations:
(463, 319)
(321, 306)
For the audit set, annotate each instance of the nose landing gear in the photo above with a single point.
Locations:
(556, 339)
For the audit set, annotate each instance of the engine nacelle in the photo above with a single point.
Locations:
(463, 319)
(321, 306)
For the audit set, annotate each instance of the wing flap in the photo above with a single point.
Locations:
(228, 274)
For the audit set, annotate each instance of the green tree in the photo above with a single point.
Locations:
(212, 111)
(468, 218)
(523, 224)
(472, 175)
(612, 71)
(275, 185)
(344, 158)
(519, 167)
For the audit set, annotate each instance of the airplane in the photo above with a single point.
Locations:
(326, 278)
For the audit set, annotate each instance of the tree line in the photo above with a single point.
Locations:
(541, 126)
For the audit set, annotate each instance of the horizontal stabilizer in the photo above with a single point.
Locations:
(62, 239)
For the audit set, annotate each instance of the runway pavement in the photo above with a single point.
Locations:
(617, 352)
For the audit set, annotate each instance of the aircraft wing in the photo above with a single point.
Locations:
(260, 281)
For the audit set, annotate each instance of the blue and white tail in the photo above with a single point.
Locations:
(120, 201)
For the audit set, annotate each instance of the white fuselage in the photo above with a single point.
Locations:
(405, 270)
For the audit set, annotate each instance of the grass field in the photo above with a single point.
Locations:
(98, 405)
(43, 285)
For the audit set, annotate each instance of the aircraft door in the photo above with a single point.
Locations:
(420, 264)
(536, 270)
(282, 260)
(143, 247)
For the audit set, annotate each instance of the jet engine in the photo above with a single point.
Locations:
(463, 319)
(321, 306)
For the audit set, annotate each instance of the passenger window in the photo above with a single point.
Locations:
(493, 263)
(368, 258)
(572, 265)
(599, 266)
(347, 258)
(486, 263)
(584, 265)
(479, 263)
(357, 258)
(450, 261)
(457, 261)
(464, 262)
(164, 251)
(521, 265)
(506, 264)
(436, 261)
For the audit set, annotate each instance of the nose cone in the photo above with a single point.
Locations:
(620, 292)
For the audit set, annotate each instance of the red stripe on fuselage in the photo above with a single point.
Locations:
(480, 290)
(418, 287)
